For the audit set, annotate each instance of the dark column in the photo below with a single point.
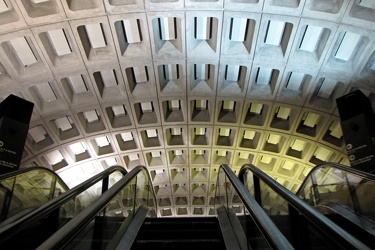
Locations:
(15, 115)
(358, 127)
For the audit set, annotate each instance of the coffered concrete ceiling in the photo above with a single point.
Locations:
(184, 86)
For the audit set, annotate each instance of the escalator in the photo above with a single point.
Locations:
(125, 217)
(343, 196)
(36, 202)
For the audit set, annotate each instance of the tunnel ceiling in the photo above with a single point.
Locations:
(184, 86)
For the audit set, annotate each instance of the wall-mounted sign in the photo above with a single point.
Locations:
(358, 127)
(15, 115)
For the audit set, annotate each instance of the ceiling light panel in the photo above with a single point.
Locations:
(96, 35)
(102, 141)
(171, 72)
(232, 72)
(202, 28)
(311, 37)
(23, 50)
(151, 133)
(132, 31)
(298, 145)
(140, 74)
(109, 77)
(249, 134)
(275, 31)
(238, 29)
(119, 110)
(91, 116)
(202, 71)
(311, 119)
(64, 123)
(147, 107)
(78, 84)
(3, 6)
(78, 148)
(264, 76)
(54, 157)
(59, 41)
(295, 81)
(256, 108)
(326, 88)
(46, 92)
(283, 113)
(167, 26)
(38, 133)
(347, 46)
(323, 154)
(336, 129)
(127, 136)
(176, 131)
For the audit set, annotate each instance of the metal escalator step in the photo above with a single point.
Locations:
(195, 244)
(179, 234)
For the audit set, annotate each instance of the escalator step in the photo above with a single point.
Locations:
(195, 244)
(179, 234)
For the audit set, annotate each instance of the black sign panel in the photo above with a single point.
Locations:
(15, 115)
(358, 127)
(12, 141)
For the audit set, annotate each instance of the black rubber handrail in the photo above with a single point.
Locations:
(25, 170)
(13, 228)
(327, 227)
(272, 234)
(354, 171)
(70, 229)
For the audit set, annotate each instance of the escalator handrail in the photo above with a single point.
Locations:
(338, 166)
(35, 168)
(12, 228)
(269, 230)
(71, 228)
(336, 233)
